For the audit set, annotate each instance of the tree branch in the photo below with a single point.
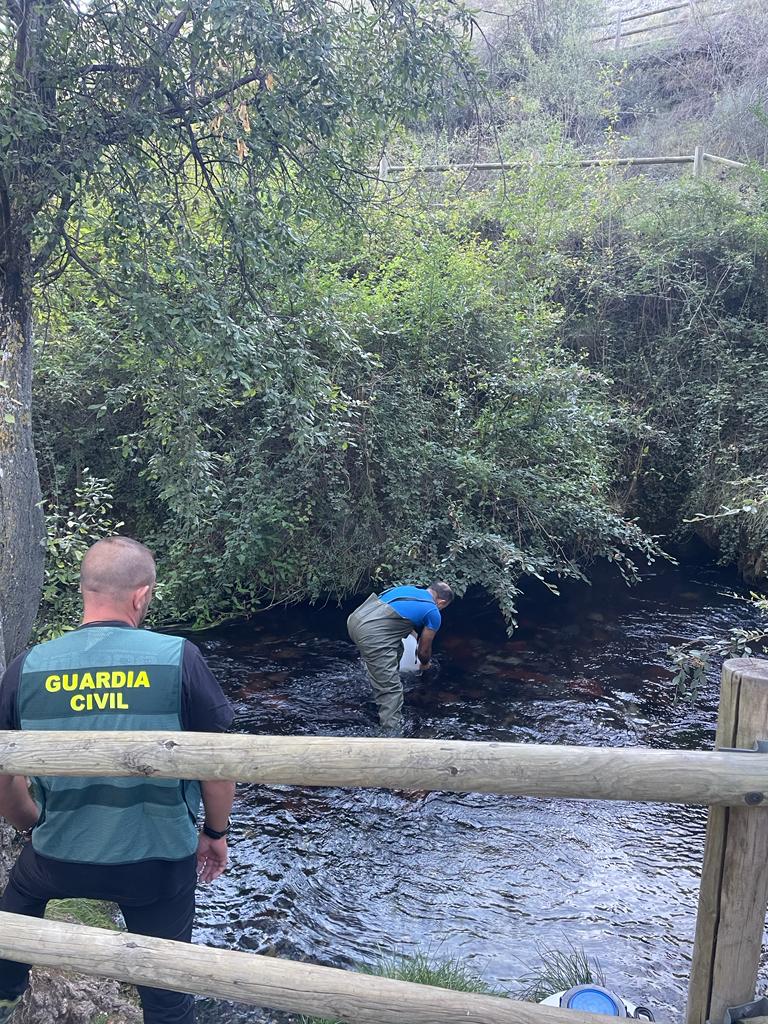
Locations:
(166, 42)
(22, 37)
(91, 271)
(4, 215)
(116, 69)
(218, 94)
(56, 233)
(14, 9)
(195, 150)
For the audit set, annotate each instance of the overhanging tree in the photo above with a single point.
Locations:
(104, 103)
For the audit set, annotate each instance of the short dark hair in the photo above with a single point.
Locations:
(116, 565)
(441, 589)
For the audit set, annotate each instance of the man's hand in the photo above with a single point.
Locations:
(212, 853)
(424, 667)
(16, 805)
(211, 858)
(424, 650)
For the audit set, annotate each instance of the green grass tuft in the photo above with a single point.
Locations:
(423, 970)
(95, 913)
(560, 969)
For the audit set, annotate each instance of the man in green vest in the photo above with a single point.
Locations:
(132, 841)
(378, 628)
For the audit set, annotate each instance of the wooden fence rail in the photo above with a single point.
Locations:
(260, 980)
(697, 11)
(626, 16)
(734, 887)
(697, 159)
(462, 766)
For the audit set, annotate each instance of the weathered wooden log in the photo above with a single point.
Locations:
(260, 980)
(692, 19)
(623, 161)
(648, 14)
(734, 882)
(626, 17)
(723, 161)
(597, 773)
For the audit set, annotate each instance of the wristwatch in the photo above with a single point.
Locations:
(212, 833)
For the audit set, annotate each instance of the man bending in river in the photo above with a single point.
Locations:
(378, 628)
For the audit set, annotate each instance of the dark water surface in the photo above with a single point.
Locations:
(342, 877)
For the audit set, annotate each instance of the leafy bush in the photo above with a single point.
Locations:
(407, 409)
(493, 386)
(71, 529)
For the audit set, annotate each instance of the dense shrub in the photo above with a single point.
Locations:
(491, 383)
(406, 407)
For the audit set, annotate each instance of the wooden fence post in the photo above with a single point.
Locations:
(734, 881)
(698, 161)
(383, 167)
(617, 42)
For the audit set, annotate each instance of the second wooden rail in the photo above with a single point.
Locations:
(260, 980)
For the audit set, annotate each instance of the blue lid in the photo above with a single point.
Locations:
(593, 999)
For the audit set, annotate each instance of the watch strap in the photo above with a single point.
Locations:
(212, 833)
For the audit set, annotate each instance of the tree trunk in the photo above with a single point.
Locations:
(22, 526)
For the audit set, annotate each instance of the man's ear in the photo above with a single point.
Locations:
(141, 596)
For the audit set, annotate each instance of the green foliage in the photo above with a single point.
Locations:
(541, 72)
(297, 383)
(71, 529)
(559, 970)
(422, 969)
(674, 313)
(693, 660)
(153, 107)
(407, 408)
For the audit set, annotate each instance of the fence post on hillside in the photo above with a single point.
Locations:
(383, 167)
(698, 161)
(734, 878)
(617, 41)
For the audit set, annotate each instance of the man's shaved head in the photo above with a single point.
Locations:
(116, 566)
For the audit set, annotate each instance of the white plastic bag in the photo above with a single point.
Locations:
(409, 661)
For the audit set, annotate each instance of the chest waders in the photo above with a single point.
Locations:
(105, 678)
(378, 631)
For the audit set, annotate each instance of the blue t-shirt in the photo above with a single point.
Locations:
(414, 604)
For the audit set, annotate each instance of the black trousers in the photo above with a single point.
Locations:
(156, 897)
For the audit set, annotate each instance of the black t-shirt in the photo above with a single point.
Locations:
(204, 708)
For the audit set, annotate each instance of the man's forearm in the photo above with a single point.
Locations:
(16, 805)
(424, 652)
(217, 801)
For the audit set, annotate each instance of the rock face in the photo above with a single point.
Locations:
(9, 851)
(56, 997)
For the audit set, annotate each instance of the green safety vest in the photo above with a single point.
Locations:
(108, 678)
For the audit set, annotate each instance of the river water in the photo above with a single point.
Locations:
(346, 877)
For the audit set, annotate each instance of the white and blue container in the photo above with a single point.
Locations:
(596, 999)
